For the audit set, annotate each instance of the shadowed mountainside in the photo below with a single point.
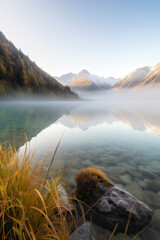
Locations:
(20, 76)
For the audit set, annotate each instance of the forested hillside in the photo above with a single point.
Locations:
(20, 76)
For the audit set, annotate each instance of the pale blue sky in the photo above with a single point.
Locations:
(106, 37)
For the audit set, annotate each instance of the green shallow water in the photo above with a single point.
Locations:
(121, 140)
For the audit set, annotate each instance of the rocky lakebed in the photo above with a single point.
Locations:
(134, 175)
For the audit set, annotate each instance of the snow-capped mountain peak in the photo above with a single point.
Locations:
(98, 82)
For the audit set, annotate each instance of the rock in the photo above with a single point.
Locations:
(100, 167)
(135, 189)
(86, 163)
(84, 232)
(137, 238)
(157, 212)
(120, 236)
(146, 173)
(154, 185)
(127, 167)
(58, 164)
(76, 161)
(63, 196)
(108, 205)
(125, 178)
(116, 171)
(101, 232)
(115, 206)
(155, 224)
(155, 167)
(120, 186)
(143, 184)
(158, 178)
(150, 234)
(156, 201)
(111, 160)
(135, 174)
(116, 180)
(150, 194)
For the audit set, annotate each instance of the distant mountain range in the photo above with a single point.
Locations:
(84, 80)
(145, 76)
(19, 76)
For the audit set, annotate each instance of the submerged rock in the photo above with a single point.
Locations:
(126, 178)
(150, 234)
(120, 236)
(84, 232)
(109, 205)
(134, 187)
(116, 171)
(154, 185)
(146, 173)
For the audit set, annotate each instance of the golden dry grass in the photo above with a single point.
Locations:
(30, 206)
(87, 182)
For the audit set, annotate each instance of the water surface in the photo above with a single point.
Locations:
(123, 140)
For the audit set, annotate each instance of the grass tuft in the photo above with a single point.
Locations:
(87, 181)
(30, 207)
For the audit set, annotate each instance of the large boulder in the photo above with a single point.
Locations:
(108, 205)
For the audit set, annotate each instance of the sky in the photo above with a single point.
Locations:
(106, 37)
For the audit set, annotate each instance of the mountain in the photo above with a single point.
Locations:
(20, 76)
(95, 81)
(152, 78)
(66, 78)
(83, 83)
(133, 79)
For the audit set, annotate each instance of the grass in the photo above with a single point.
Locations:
(87, 182)
(30, 206)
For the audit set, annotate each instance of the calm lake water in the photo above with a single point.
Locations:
(121, 139)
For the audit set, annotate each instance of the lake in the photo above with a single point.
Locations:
(120, 138)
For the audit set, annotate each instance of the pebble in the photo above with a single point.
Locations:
(120, 236)
(143, 184)
(126, 178)
(137, 191)
(154, 185)
(58, 165)
(116, 171)
(150, 193)
(146, 173)
(150, 234)
(111, 160)
(156, 201)
(86, 163)
(103, 169)
(135, 174)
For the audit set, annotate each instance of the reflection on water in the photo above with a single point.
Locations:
(123, 141)
(17, 118)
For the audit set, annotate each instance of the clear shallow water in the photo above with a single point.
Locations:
(123, 140)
